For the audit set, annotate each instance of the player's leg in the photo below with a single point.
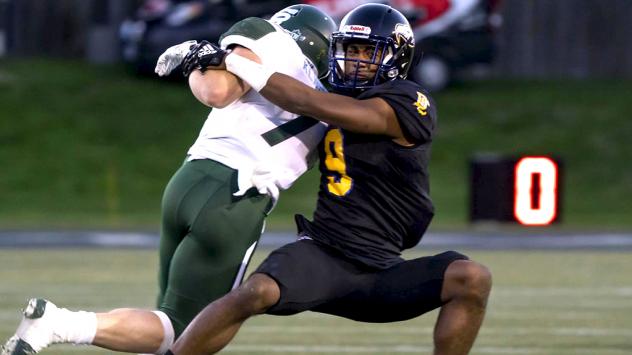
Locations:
(136, 330)
(214, 327)
(465, 292)
(448, 280)
(411, 288)
(294, 278)
(125, 329)
(173, 227)
(44, 324)
(223, 231)
(207, 240)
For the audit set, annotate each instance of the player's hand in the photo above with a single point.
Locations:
(173, 57)
(202, 56)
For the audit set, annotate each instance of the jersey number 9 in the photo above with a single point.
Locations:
(339, 182)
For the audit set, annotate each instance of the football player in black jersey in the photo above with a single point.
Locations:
(373, 201)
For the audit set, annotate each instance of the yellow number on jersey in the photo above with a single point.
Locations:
(339, 182)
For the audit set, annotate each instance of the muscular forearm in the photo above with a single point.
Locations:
(294, 96)
(291, 95)
(373, 116)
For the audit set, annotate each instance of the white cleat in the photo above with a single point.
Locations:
(36, 331)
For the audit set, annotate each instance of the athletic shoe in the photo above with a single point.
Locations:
(35, 331)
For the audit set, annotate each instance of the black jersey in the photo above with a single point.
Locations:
(374, 197)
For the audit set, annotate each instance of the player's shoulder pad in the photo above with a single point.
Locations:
(414, 107)
(252, 28)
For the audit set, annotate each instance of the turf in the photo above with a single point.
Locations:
(542, 303)
(93, 146)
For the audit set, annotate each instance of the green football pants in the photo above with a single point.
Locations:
(207, 237)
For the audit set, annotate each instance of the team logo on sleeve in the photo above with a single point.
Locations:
(422, 104)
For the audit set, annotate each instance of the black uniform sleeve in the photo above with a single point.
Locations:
(415, 109)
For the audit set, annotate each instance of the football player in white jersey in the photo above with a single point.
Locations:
(214, 206)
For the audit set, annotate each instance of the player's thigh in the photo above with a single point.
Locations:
(404, 291)
(211, 259)
(233, 225)
(188, 191)
(193, 187)
(207, 233)
(174, 227)
(199, 204)
(192, 283)
(308, 275)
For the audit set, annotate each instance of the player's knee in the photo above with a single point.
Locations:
(260, 292)
(468, 279)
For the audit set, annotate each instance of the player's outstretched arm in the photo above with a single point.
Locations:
(372, 116)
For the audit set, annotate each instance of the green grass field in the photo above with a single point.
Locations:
(93, 146)
(549, 303)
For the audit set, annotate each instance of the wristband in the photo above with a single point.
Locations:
(255, 74)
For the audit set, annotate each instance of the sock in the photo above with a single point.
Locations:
(74, 327)
(168, 333)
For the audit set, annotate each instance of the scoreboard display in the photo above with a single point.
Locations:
(520, 189)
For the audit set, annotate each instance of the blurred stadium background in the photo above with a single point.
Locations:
(89, 139)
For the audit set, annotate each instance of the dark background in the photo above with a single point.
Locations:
(539, 38)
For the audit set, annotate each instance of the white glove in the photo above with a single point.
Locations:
(266, 179)
(173, 57)
(265, 182)
(261, 177)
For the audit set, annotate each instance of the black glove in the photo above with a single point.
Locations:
(203, 55)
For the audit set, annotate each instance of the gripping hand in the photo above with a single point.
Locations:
(202, 56)
(173, 57)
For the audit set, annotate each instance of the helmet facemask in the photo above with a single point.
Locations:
(383, 28)
(348, 70)
(361, 63)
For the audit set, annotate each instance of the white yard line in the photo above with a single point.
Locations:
(386, 331)
(402, 349)
(562, 291)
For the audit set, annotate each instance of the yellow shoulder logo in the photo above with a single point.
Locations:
(422, 104)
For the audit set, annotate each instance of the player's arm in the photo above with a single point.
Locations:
(216, 88)
(219, 88)
(373, 116)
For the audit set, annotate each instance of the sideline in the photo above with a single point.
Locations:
(467, 240)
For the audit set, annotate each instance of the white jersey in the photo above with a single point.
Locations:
(266, 144)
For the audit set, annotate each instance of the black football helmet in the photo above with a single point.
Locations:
(391, 36)
(311, 28)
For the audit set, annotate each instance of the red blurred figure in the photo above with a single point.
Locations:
(429, 8)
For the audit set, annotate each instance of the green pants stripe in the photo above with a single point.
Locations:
(206, 232)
